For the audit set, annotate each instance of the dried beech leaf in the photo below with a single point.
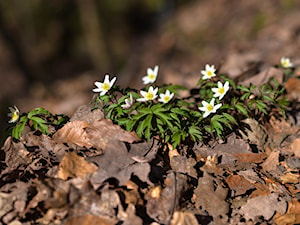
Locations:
(290, 178)
(292, 216)
(271, 162)
(250, 157)
(210, 198)
(101, 132)
(264, 206)
(166, 199)
(295, 146)
(256, 134)
(73, 133)
(16, 154)
(90, 220)
(292, 86)
(183, 218)
(73, 165)
(239, 184)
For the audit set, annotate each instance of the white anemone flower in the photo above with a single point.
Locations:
(14, 114)
(286, 62)
(221, 90)
(165, 98)
(209, 108)
(105, 86)
(151, 75)
(128, 102)
(209, 72)
(148, 95)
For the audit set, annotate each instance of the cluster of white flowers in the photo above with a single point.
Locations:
(219, 92)
(151, 94)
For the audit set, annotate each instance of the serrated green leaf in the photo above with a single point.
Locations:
(241, 108)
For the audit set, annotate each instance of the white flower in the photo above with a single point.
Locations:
(209, 108)
(209, 72)
(286, 62)
(147, 96)
(105, 86)
(151, 75)
(14, 114)
(165, 98)
(221, 90)
(128, 103)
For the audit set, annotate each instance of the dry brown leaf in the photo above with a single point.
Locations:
(271, 162)
(295, 147)
(264, 206)
(73, 165)
(239, 184)
(90, 220)
(250, 157)
(101, 132)
(261, 189)
(183, 218)
(211, 166)
(289, 177)
(292, 86)
(256, 134)
(292, 216)
(16, 154)
(73, 133)
(211, 198)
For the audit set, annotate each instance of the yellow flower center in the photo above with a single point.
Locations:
(209, 107)
(166, 98)
(15, 116)
(106, 86)
(209, 73)
(151, 76)
(221, 90)
(149, 96)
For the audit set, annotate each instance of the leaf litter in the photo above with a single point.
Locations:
(91, 171)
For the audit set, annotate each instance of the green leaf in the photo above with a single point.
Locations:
(37, 111)
(239, 106)
(230, 118)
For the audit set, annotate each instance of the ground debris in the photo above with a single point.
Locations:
(98, 173)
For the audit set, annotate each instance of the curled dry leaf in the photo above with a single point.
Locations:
(73, 133)
(101, 132)
(73, 165)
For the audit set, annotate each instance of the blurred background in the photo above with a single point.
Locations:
(51, 52)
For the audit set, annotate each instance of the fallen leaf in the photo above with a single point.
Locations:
(73, 165)
(271, 162)
(239, 184)
(256, 134)
(265, 206)
(183, 218)
(292, 86)
(90, 220)
(73, 133)
(292, 216)
(211, 198)
(295, 146)
(166, 199)
(16, 154)
(101, 132)
(289, 177)
(250, 157)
